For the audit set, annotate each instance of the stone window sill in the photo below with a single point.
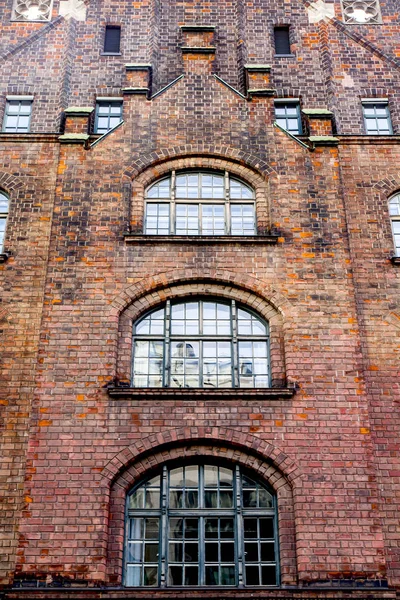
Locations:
(200, 239)
(201, 393)
(395, 260)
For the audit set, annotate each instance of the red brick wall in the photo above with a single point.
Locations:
(72, 286)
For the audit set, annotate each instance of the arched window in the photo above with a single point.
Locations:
(201, 343)
(201, 525)
(4, 202)
(394, 211)
(200, 203)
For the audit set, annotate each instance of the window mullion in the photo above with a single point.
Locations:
(172, 217)
(167, 345)
(164, 529)
(227, 205)
(239, 528)
(235, 348)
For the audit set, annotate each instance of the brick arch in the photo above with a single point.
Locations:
(151, 292)
(165, 281)
(151, 167)
(388, 186)
(266, 461)
(199, 151)
(10, 183)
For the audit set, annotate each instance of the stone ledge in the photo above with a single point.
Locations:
(261, 92)
(191, 394)
(317, 112)
(198, 27)
(79, 110)
(74, 138)
(258, 68)
(324, 140)
(138, 67)
(131, 238)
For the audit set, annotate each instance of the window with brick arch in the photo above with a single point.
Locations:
(201, 343)
(201, 524)
(394, 211)
(200, 203)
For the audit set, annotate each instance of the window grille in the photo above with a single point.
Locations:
(200, 203)
(108, 115)
(361, 12)
(201, 525)
(201, 343)
(377, 118)
(287, 116)
(32, 10)
(17, 116)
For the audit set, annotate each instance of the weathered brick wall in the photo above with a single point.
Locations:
(71, 278)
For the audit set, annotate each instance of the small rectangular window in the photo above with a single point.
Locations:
(377, 118)
(108, 115)
(17, 116)
(282, 41)
(287, 116)
(112, 39)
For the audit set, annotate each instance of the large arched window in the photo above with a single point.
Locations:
(4, 202)
(201, 343)
(201, 525)
(200, 203)
(394, 211)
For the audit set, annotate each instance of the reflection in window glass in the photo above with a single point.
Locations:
(201, 343)
(394, 211)
(206, 535)
(377, 118)
(4, 202)
(200, 204)
(17, 116)
(108, 115)
(287, 116)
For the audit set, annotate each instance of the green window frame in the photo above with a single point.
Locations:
(377, 117)
(201, 343)
(108, 115)
(287, 116)
(202, 525)
(17, 115)
(200, 203)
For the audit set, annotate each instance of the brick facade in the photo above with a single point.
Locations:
(78, 271)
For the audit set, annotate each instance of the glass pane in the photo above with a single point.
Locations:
(266, 528)
(211, 528)
(250, 528)
(134, 552)
(268, 575)
(150, 553)
(268, 552)
(252, 575)
(191, 552)
(227, 576)
(136, 529)
(191, 576)
(176, 528)
(151, 529)
(3, 203)
(227, 529)
(150, 576)
(133, 576)
(175, 552)
(251, 552)
(212, 554)
(212, 575)
(210, 476)
(227, 552)
(175, 575)
(176, 477)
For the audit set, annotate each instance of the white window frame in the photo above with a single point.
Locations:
(12, 100)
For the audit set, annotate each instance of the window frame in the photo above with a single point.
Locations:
(286, 29)
(285, 102)
(19, 100)
(375, 103)
(234, 338)
(4, 218)
(226, 201)
(107, 28)
(110, 102)
(164, 512)
(395, 218)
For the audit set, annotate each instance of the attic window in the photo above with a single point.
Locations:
(32, 10)
(361, 12)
